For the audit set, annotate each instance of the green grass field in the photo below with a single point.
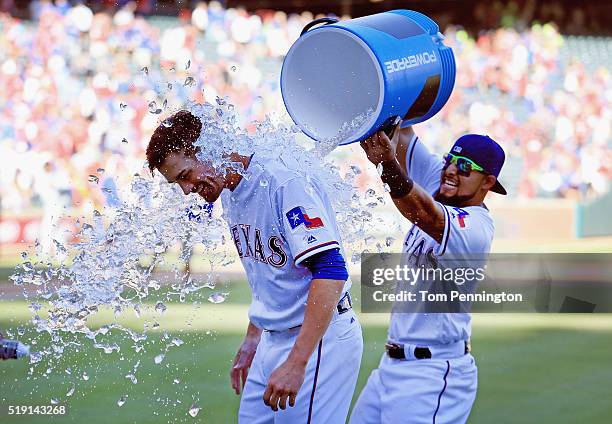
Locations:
(532, 368)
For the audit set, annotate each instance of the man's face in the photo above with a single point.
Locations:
(193, 176)
(458, 190)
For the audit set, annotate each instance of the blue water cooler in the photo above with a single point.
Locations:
(343, 80)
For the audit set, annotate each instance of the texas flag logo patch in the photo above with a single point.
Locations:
(462, 218)
(297, 216)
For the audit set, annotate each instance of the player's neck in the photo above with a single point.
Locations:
(233, 178)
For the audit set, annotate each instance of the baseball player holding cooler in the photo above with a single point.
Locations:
(427, 374)
(303, 344)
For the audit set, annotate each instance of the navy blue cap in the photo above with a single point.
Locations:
(484, 151)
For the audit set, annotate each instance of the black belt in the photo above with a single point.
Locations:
(396, 351)
(344, 305)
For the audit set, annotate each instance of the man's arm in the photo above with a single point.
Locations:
(244, 357)
(409, 198)
(286, 380)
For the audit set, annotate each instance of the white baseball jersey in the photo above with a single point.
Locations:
(440, 390)
(467, 230)
(277, 220)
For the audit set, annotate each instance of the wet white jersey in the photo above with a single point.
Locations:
(277, 220)
(467, 231)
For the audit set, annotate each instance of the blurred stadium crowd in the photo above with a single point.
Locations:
(76, 105)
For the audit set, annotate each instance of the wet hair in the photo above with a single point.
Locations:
(183, 130)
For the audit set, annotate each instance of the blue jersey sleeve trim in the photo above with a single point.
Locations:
(447, 227)
(315, 249)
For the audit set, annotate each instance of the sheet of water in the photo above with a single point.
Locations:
(112, 265)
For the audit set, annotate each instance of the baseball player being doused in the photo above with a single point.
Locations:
(427, 373)
(300, 358)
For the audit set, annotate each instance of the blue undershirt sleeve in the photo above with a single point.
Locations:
(328, 264)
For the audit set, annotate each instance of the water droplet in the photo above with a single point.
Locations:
(35, 357)
(100, 170)
(122, 106)
(160, 308)
(220, 101)
(159, 358)
(177, 342)
(54, 401)
(85, 376)
(379, 169)
(167, 123)
(94, 179)
(233, 68)
(194, 410)
(188, 64)
(132, 378)
(389, 241)
(356, 170)
(121, 401)
(263, 182)
(217, 297)
(169, 86)
(27, 266)
(24, 255)
(153, 108)
(124, 140)
(70, 391)
(189, 81)
(176, 381)
(386, 187)
(153, 285)
(145, 70)
(370, 193)
(165, 104)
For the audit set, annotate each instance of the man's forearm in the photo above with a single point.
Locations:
(396, 178)
(253, 332)
(412, 201)
(322, 299)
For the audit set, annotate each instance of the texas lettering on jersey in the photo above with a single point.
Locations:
(249, 244)
(419, 248)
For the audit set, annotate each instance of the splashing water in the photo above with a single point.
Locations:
(122, 401)
(104, 269)
(153, 108)
(194, 410)
(217, 297)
